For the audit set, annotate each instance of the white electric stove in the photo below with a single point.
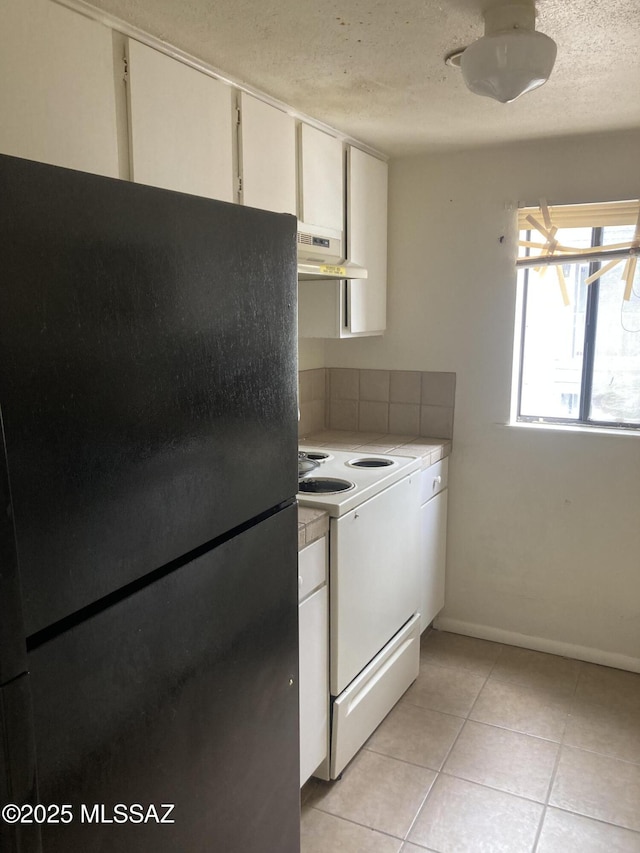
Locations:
(373, 501)
(345, 478)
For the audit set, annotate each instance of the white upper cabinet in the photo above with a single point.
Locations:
(57, 90)
(321, 179)
(267, 156)
(355, 308)
(367, 179)
(181, 126)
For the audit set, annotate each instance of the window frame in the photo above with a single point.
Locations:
(583, 420)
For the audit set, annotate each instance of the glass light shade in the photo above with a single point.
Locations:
(507, 64)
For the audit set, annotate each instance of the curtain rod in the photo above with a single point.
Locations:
(547, 260)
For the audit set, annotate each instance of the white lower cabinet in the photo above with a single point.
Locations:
(433, 540)
(313, 679)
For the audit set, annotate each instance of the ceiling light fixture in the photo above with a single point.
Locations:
(511, 58)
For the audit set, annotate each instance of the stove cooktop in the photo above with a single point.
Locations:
(366, 474)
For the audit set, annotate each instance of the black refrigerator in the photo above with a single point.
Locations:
(148, 581)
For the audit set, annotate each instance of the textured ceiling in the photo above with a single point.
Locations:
(375, 70)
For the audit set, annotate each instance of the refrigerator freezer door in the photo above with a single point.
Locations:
(147, 376)
(184, 693)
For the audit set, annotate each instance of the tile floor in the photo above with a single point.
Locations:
(493, 749)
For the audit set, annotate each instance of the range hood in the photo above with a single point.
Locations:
(321, 255)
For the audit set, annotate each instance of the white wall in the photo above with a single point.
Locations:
(544, 533)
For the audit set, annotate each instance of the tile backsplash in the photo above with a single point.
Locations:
(312, 395)
(403, 402)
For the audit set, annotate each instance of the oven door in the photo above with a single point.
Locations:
(374, 577)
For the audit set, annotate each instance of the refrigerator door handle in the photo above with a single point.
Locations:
(18, 785)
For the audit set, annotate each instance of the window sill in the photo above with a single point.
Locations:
(578, 428)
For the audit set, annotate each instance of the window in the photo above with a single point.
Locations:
(578, 356)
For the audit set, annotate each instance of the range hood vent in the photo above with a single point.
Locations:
(321, 255)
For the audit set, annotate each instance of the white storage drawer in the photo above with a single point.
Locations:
(312, 567)
(370, 697)
(434, 479)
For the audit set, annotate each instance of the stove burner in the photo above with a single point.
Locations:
(325, 485)
(371, 463)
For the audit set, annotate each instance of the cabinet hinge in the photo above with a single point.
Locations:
(125, 69)
(238, 116)
(239, 185)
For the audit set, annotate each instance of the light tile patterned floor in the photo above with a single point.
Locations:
(493, 749)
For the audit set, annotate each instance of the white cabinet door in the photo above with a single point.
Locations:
(313, 678)
(356, 308)
(367, 179)
(313, 682)
(321, 179)
(433, 533)
(57, 90)
(181, 126)
(267, 156)
(321, 309)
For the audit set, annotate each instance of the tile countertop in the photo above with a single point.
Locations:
(314, 523)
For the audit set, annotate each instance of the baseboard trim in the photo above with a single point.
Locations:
(539, 644)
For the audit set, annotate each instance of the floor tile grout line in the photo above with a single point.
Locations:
(600, 754)
(572, 700)
(450, 775)
(465, 719)
(422, 804)
(475, 701)
(403, 760)
(462, 728)
(554, 773)
(595, 819)
(555, 693)
(512, 731)
(506, 728)
(405, 700)
(563, 738)
(431, 662)
(455, 740)
(408, 701)
(363, 825)
(437, 776)
(562, 745)
(545, 804)
(536, 839)
(498, 656)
